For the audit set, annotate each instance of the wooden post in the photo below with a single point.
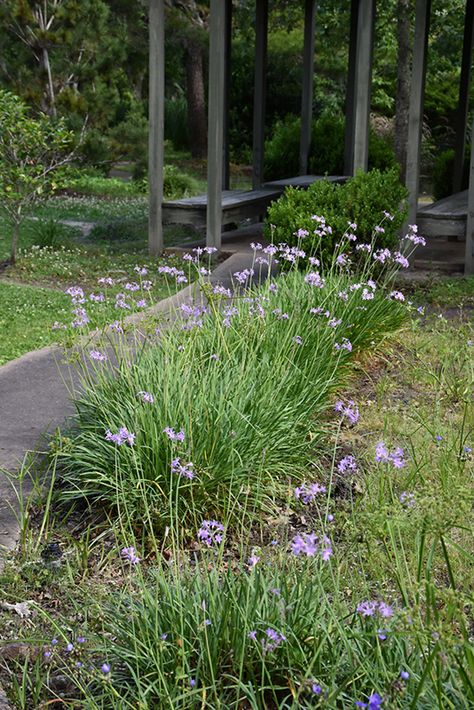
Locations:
(215, 141)
(307, 85)
(415, 115)
(363, 81)
(469, 258)
(227, 82)
(350, 91)
(463, 103)
(261, 32)
(156, 116)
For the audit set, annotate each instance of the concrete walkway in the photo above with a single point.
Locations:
(35, 390)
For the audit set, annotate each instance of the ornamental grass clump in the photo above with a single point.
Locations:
(241, 394)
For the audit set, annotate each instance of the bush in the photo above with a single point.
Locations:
(443, 173)
(362, 199)
(327, 148)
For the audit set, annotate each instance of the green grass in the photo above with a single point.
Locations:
(26, 316)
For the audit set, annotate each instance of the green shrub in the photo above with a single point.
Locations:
(362, 200)
(327, 148)
(176, 122)
(443, 172)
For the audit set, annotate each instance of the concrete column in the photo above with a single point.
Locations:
(307, 85)
(415, 116)
(259, 95)
(156, 115)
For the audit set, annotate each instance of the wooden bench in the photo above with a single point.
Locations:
(444, 218)
(237, 205)
(303, 181)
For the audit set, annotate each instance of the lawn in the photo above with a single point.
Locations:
(262, 512)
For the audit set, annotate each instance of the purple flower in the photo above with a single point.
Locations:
(252, 635)
(81, 318)
(123, 436)
(243, 276)
(348, 463)
(163, 637)
(106, 281)
(367, 608)
(210, 532)
(316, 689)
(395, 457)
(97, 298)
(54, 642)
(192, 682)
(173, 435)
(141, 303)
(344, 345)
(374, 702)
(404, 675)
(382, 634)
(207, 622)
(385, 610)
(348, 410)
(402, 260)
(98, 355)
(47, 654)
(273, 640)
(342, 260)
(298, 340)
(105, 668)
(309, 544)
(76, 293)
(301, 233)
(146, 397)
(313, 278)
(307, 492)
(407, 499)
(184, 470)
(116, 326)
(129, 553)
(69, 647)
(253, 561)
(141, 270)
(81, 639)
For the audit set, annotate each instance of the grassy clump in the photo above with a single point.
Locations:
(249, 385)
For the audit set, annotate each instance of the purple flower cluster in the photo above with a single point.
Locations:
(307, 492)
(123, 436)
(210, 532)
(414, 237)
(173, 435)
(345, 344)
(347, 464)
(373, 608)
(313, 278)
(348, 409)
(130, 554)
(173, 271)
(243, 276)
(310, 544)
(408, 500)
(146, 397)
(98, 355)
(181, 469)
(76, 293)
(374, 702)
(395, 457)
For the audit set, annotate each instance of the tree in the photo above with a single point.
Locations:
(31, 149)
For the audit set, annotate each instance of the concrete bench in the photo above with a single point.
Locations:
(237, 205)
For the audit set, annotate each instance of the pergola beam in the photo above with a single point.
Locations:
(215, 140)
(363, 82)
(259, 94)
(415, 116)
(463, 103)
(227, 82)
(156, 124)
(350, 91)
(307, 85)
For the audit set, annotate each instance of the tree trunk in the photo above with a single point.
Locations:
(14, 245)
(197, 121)
(46, 66)
(403, 84)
